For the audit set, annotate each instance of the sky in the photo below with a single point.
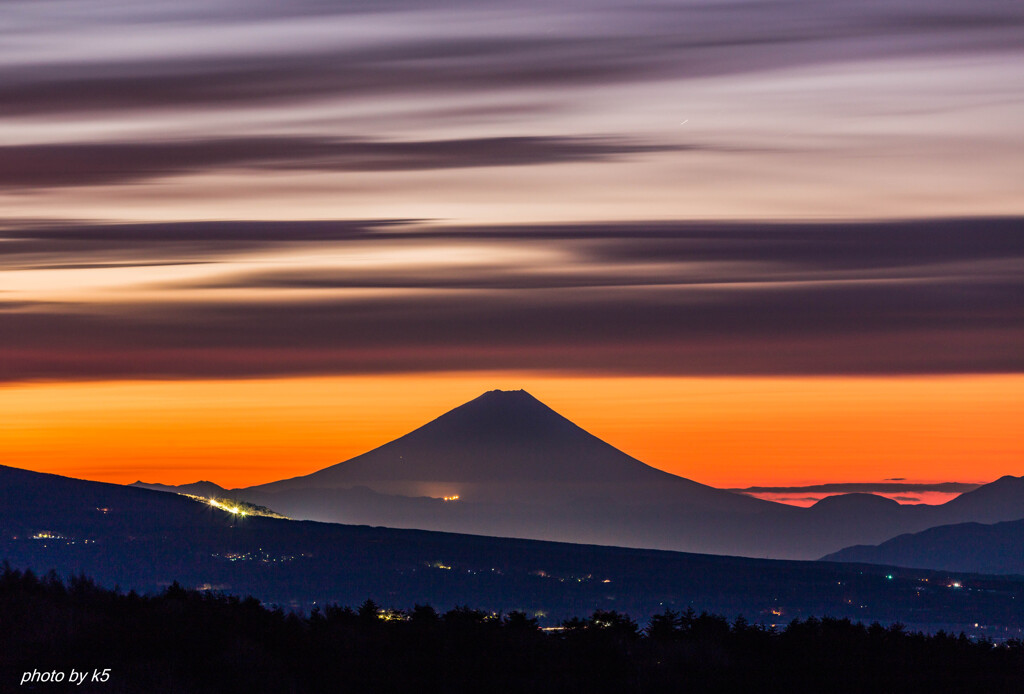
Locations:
(759, 244)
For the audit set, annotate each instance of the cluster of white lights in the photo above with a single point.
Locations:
(234, 510)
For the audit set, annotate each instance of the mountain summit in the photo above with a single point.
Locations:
(509, 446)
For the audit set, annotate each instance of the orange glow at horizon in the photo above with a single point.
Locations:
(726, 432)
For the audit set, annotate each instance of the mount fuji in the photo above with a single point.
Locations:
(507, 465)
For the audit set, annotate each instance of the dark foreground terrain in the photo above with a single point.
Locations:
(143, 540)
(190, 641)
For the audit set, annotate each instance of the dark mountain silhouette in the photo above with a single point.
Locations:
(968, 547)
(143, 540)
(855, 504)
(507, 446)
(520, 469)
(1001, 500)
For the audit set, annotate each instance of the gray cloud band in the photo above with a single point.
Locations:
(71, 164)
(658, 41)
(806, 299)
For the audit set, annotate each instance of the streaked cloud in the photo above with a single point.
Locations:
(77, 164)
(400, 112)
(293, 53)
(375, 297)
(664, 110)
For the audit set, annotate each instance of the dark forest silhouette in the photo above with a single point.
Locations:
(191, 641)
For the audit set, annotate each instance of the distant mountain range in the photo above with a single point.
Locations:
(142, 540)
(973, 547)
(519, 469)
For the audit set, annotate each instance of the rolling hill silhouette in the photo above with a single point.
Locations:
(201, 488)
(968, 547)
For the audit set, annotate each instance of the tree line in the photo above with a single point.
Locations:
(200, 641)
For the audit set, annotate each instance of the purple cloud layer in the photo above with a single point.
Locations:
(547, 47)
(76, 164)
(165, 93)
(893, 298)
